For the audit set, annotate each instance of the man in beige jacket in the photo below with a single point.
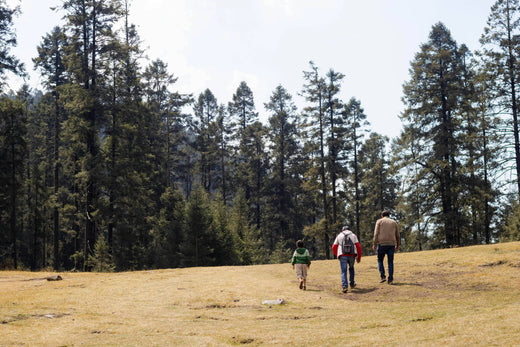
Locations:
(386, 242)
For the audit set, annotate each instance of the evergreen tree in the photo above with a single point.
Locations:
(206, 111)
(255, 171)
(432, 128)
(8, 40)
(50, 62)
(355, 121)
(488, 125)
(200, 243)
(511, 229)
(13, 150)
(225, 251)
(131, 171)
(478, 151)
(89, 26)
(336, 131)
(101, 259)
(169, 231)
(378, 185)
(223, 135)
(33, 243)
(242, 109)
(248, 243)
(243, 116)
(282, 223)
(315, 137)
(501, 47)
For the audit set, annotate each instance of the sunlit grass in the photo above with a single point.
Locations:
(462, 296)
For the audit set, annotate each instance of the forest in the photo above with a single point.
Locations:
(109, 168)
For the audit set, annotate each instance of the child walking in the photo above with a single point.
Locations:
(301, 261)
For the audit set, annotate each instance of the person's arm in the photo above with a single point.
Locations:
(397, 237)
(376, 235)
(358, 247)
(335, 247)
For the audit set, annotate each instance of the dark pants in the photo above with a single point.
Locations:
(381, 252)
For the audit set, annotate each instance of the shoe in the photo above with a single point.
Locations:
(383, 280)
(390, 281)
(304, 288)
(301, 284)
(345, 289)
(352, 285)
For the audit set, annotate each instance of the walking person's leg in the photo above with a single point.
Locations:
(380, 259)
(391, 252)
(299, 274)
(352, 273)
(304, 279)
(344, 266)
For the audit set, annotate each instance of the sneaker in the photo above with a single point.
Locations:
(304, 287)
(390, 281)
(383, 280)
(301, 284)
(345, 289)
(352, 285)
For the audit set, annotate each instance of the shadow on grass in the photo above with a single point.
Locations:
(398, 284)
(359, 290)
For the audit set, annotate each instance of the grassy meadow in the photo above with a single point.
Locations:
(457, 297)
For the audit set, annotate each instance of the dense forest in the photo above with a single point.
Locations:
(108, 168)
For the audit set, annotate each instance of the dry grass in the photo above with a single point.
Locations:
(463, 296)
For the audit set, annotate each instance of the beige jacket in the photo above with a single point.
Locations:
(386, 233)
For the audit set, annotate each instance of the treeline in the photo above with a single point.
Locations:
(109, 168)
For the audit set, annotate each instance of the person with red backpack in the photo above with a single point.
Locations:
(347, 249)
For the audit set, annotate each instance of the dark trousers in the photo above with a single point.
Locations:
(381, 252)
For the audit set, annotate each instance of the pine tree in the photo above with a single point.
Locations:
(169, 230)
(333, 110)
(8, 40)
(101, 259)
(89, 28)
(501, 47)
(200, 242)
(242, 117)
(432, 126)
(206, 111)
(284, 180)
(378, 185)
(13, 150)
(315, 136)
(355, 120)
(50, 62)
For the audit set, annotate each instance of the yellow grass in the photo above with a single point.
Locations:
(464, 296)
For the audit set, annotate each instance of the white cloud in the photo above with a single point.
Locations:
(216, 44)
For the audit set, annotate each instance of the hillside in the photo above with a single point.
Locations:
(461, 296)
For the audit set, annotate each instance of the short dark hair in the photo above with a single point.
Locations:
(385, 213)
(300, 244)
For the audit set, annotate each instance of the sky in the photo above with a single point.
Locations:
(216, 44)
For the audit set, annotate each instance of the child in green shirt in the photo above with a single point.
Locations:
(301, 261)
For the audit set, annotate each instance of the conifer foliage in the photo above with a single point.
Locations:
(110, 168)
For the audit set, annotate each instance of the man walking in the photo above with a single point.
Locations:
(347, 249)
(386, 242)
